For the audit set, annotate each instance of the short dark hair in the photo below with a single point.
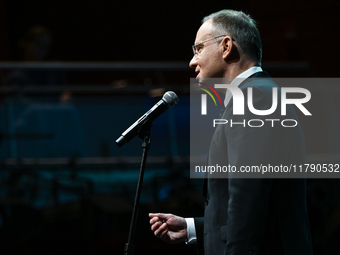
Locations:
(242, 28)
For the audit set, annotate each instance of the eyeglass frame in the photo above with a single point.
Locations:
(194, 46)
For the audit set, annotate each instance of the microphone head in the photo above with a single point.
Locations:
(170, 98)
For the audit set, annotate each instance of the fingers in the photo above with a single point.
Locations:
(161, 231)
(156, 217)
(159, 215)
(154, 220)
(151, 215)
(156, 225)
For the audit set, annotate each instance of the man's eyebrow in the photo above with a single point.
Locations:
(199, 42)
(208, 35)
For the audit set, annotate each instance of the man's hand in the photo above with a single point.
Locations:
(168, 227)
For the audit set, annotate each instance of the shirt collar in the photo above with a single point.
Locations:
(239, 79)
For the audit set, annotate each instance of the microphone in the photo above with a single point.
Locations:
(169, 99)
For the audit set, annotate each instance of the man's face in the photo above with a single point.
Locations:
(209, 63)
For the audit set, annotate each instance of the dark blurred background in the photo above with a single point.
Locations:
(75, 74)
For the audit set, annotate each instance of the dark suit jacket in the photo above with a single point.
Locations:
(255, 216)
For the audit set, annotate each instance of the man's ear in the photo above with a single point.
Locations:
(227, 47)
(229, 50)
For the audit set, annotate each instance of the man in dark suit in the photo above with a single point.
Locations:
(244, 215)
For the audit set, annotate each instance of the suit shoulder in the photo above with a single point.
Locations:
(262, 85)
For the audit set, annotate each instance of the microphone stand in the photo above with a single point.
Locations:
(143, 133)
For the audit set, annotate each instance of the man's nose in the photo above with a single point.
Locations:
(193, 62)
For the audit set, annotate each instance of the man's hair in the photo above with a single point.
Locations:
(242, 28)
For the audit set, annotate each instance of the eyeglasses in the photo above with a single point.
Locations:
(198, 47)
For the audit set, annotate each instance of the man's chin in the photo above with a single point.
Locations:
(212, 81)
(199, 78)
(202, 80)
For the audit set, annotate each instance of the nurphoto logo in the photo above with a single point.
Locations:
(277, 100)
(238, 99)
